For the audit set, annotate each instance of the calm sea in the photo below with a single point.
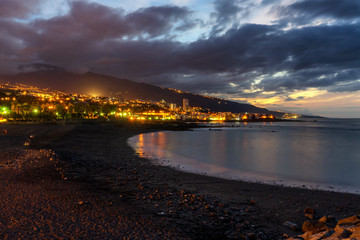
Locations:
(321, 154)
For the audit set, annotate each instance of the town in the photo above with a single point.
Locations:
(20, 102)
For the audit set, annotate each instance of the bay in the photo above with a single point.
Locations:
(322, 154)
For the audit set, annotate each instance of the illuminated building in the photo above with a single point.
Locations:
(185, 104)
(172, 106)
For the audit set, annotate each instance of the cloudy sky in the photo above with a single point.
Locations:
(295, 55)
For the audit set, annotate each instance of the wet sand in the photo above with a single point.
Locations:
(96, 187)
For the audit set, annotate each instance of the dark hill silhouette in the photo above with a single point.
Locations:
(102, 85)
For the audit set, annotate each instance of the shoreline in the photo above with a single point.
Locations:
(157, 155)
(98, 163)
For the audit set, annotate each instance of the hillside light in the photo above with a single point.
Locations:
(5, 110)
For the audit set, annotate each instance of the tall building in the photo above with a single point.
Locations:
(185, 104)
(172, 106)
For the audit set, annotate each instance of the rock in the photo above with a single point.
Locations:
(349, 221)
(328, 233)
(291, 225)
(329, 220)
(308, 226)
(341, 233)
(310, 216)
(314, 227)
(324, 229)
(309, 213)
(321, 235)
(306, 235)
(317, 236)
(355, 233)
(296, 238)
(309, 210)
(252, 236)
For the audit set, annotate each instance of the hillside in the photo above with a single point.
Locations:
(102, 85)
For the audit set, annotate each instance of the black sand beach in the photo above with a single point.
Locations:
(83, 181)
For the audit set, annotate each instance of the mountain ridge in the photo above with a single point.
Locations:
(98, 84)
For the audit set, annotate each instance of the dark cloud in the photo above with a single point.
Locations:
(93, 36)
(226, 10)
(351, 86)
(156, 21)
(289, 99)
(92, 21)
(139, 46)
(18, 8)
(229, 12)
(302, 12)
(332, 8)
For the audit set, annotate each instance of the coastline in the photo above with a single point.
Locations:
(97, 163)
(160, 156)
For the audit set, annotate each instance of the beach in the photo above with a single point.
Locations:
(82, 180)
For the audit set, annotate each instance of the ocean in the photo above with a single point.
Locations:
(316, 154)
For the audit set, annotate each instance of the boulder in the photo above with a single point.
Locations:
(309, 210)
(347, 228)
(349, 221)
(314, 227)
(310, 213)
(320, 235)
(291, 225)
(341, 233)
(328, 220)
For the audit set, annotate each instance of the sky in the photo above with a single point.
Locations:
(298, 56)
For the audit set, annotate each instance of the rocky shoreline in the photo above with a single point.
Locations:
(328, 227)
(96, 167)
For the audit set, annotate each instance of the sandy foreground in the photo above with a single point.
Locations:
(83, 181)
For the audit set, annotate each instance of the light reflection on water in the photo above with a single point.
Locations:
(321, 153)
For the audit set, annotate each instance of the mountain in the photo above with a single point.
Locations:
(101, 85)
